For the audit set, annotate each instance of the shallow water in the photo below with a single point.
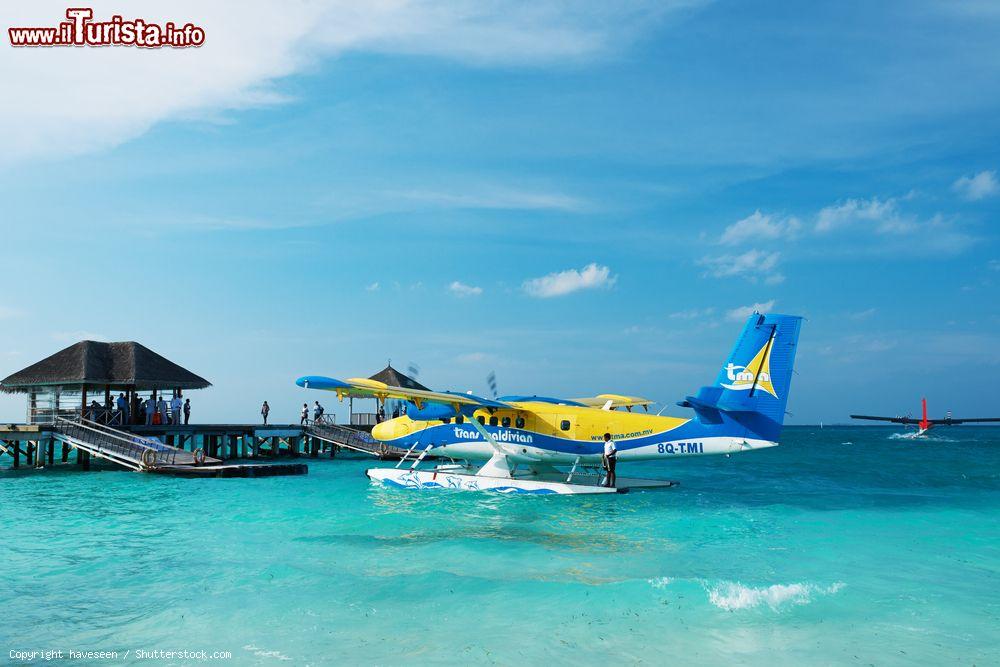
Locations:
(843, 546)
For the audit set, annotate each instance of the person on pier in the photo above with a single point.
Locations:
(149, 408)
(305, 414)
(265, 410)
(187, 411)
(176, 404)
(317, 412)
(122, 404)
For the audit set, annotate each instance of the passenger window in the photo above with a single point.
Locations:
(519, 422)
(506, 422)
(460, 419)
(564, 425)
(446, 420)
(494, 421)
(481, 419)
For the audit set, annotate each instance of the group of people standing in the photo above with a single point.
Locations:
(318, 412)
(166, 412)
(151, 411)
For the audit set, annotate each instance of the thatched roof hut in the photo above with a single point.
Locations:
(394, 378)
(118, 366)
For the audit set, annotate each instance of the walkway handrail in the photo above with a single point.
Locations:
(353, 439)
(124, 445)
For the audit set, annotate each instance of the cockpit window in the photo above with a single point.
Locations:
(494, 421)
(481, 419)
(446, 420)
(506, 422)
(460, 419)
(519, 422)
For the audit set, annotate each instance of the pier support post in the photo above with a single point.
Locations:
(17, 455)
(30, 453)
(65, 453)
(52, 452)
(275, 446)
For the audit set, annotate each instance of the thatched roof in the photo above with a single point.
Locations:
(394, 378)
(94, 364)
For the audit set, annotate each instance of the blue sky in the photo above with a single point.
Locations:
(580, 199)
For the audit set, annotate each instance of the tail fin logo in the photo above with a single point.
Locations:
(757, 373)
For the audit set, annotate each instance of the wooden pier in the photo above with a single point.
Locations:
(228, 450)
(62, 423)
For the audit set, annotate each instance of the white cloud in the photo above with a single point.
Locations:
(862, 314)
(592, 276)
(743, 312)
(759, 227)
(490, 197)
(8, 313)
(774, 279)
(635, 329)
(78, 100)
(374, 287)
(973, 188)
(881, 216)
(693, 314)
(752, 263)
(462, 290)
(884, 219)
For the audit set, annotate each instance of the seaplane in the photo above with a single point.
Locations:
(546, 445)
(924, 424)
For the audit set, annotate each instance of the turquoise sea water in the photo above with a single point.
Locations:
(843, 546)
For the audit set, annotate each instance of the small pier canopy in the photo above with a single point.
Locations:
(393, 378)
(58, 385)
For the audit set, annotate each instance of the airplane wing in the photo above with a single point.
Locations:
(365, 388)
(964, 420)
(617, 401)
(894, 420)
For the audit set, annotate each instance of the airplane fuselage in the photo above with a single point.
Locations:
(555, 433)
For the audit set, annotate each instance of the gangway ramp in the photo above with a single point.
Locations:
(123, 448)
(354, 439)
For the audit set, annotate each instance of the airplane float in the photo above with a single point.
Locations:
(924, 424)
(513, 444)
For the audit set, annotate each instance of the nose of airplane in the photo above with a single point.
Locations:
(389, 430)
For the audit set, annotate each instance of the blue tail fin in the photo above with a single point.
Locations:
(752, 386)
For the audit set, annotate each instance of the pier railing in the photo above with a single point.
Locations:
(119, 446)
(351, 438)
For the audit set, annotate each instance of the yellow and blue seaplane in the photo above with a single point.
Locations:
(513, 444)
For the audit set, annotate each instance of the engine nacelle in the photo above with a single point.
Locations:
(430, 411)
